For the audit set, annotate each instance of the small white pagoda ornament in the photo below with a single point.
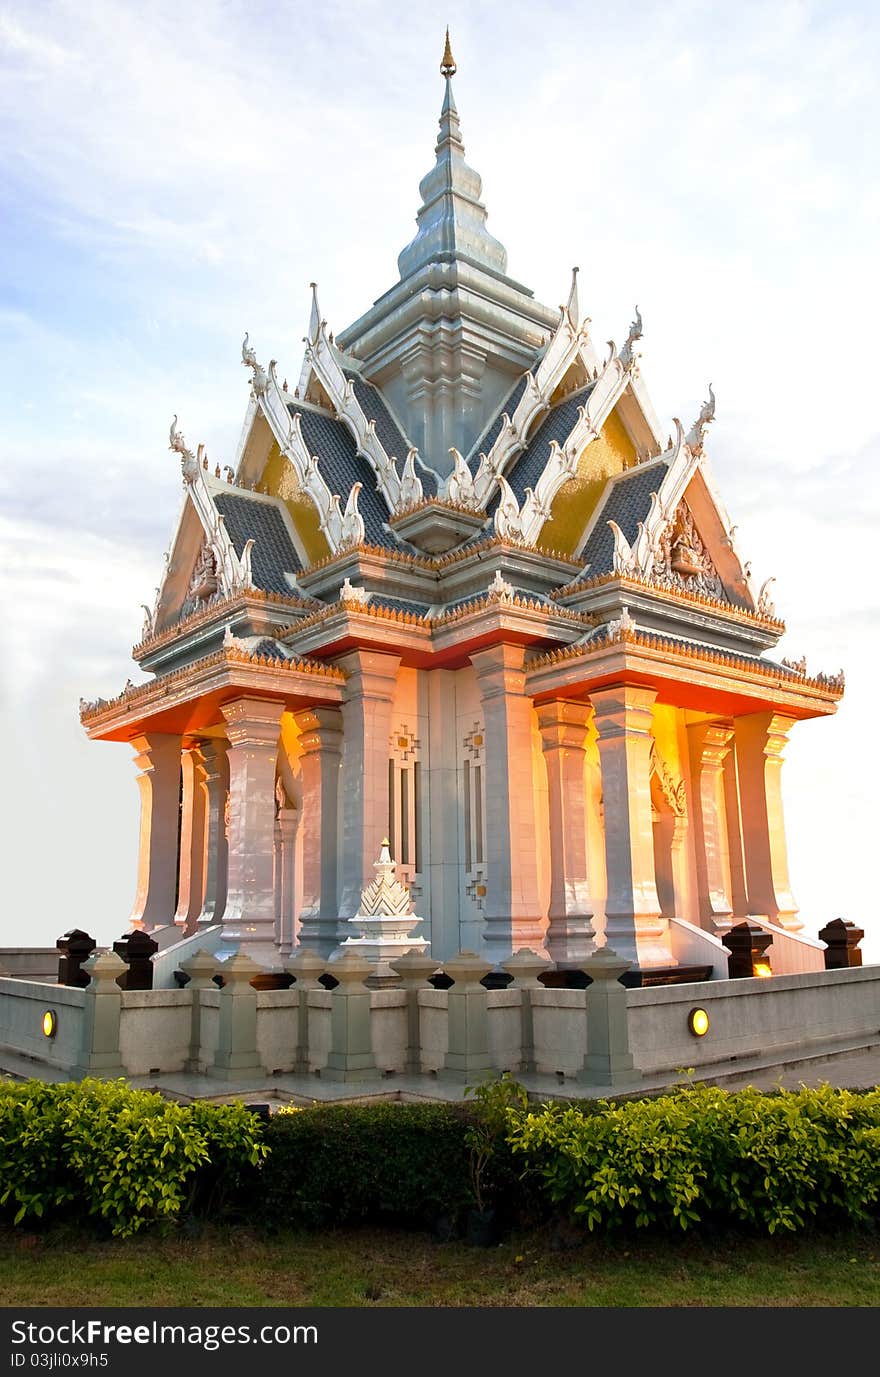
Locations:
(384, 920)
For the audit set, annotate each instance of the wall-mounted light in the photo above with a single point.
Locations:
(50, 1023)
(698, 1023)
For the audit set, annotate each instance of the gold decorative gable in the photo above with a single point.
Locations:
(681, 559)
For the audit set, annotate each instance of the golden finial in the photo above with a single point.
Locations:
(447, 66)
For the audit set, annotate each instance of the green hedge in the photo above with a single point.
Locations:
(701, 1154)
(693, 1157)
(100, 1150)
(340, 1164)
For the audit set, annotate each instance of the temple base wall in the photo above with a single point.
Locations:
(521, 1029)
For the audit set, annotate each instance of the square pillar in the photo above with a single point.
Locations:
(215, 764)
(351, 1040)
(468, 1018)
(608, 1060)
(709, 745)
(320, 737)
(366, 716)
(158, 760)
(563, 735)
(99, 1053)
(237, 1019)
(253, 726)
(193, 817)
(513, 914)
(286, 824)
(760, 741)
(633, 923)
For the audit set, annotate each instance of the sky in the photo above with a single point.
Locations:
(174, 175)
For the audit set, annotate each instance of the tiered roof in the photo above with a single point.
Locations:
(362, 528)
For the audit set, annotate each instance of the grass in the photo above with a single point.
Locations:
(240, 1267)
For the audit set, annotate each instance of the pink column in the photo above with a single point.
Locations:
(253, 726)
(760, 741)
(513, 914)
(321, 745)
(158, 759)
(191, 873)
(216, 767)
(634, 927)
(563, 733)
(366, 717)
(709, 746)
(287, 823)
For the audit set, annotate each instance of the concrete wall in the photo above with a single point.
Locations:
(30, 963)
(786, 1017)
(22, 1005)
(154, 1030)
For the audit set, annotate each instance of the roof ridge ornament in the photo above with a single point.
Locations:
(447, 66)
(572, 306)
(189, 465)
(259, 379)
(627, 355)
(695, 435)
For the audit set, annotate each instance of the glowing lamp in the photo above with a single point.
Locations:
(698, 1023)
(50, 1023)
(762, 968)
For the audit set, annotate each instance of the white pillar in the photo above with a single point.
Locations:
(321, 746)
(564, 732)
(633, 924)
(709, 746)
(287, 823)
(215, 763)
(253, 726)
(366, 716)
(191, 872)
(513, 914)
(158, 759)
(760, 741)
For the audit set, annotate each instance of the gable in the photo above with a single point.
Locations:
(182, 589)
(575, 379)
(575, 502)
(280, 479)
(720, 571)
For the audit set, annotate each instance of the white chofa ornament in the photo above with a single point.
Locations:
(384, 920)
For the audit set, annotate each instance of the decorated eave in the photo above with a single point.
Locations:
(685, 673)
(252, 610)
(190, 699)
(442, 639)
(441, 578)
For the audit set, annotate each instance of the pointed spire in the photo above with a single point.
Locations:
(314, 330)
(572, 307)
(452, 218)
(447, 66)
(315, 317)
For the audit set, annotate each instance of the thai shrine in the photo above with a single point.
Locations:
(462, 592)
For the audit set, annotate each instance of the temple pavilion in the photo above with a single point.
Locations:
(461, 588)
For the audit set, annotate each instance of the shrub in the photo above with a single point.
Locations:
(498, 1104)
(99, 1149)
(767, 1161)
(400, 1163)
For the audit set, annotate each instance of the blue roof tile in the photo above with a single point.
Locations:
(341, 467)
(247, 518)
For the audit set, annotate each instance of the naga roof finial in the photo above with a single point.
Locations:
(447, 66)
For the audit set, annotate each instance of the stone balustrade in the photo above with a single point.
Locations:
(423, 1028)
